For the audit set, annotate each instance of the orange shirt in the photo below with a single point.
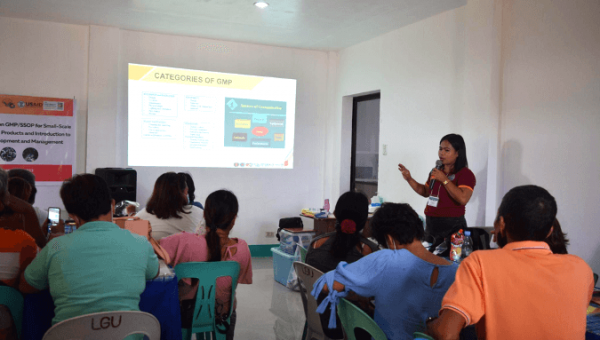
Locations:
(17, 250)
(522, 291)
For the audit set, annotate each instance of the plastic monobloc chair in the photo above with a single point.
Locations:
(13, 300)
(422, 336)
(308, 275)
(106, 325)
(204, 309)
(352, 317)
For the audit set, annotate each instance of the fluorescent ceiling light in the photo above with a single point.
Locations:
(261, 4)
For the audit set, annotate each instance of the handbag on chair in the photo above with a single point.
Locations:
(142, 227)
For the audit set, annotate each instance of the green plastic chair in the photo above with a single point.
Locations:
(419, 335)
(13, 300)
(204, 309)
(352, 317)
(303, 252)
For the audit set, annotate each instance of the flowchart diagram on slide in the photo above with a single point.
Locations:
(254, 123)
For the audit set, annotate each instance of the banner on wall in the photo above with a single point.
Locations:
(38, 134)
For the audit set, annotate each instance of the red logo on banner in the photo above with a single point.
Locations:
(44, 172)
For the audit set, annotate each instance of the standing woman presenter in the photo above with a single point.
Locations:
(451, 190)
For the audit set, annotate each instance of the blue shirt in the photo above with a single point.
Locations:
(400, 283)
(99, 267)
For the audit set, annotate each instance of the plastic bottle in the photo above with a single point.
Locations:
(467, 247)
(456, 242)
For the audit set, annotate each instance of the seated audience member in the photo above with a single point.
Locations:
(557, 240)
(346, 242)
(17, 214)
(19, 188)
(29, 177)
(220, 213)
(191, 190)
(523, 290)
(168, 209)
(17, 250)
(98, 268)
(406, 280)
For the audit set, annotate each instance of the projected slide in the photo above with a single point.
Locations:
(187, 118)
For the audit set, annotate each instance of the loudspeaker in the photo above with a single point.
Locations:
(122, 182)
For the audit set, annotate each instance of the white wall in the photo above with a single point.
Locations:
(47, 60)
(551, 111)
(265, 195)
(437, 76)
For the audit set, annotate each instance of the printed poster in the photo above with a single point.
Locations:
(38, 134)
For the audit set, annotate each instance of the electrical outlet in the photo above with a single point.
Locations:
(384, 149)
(270, 234)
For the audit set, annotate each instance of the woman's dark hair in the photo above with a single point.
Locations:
(220, 209)
(167, 199)
(29, 177)
(350, 206)
(86, 196)
(528, 212)
(557, 240)
(190, 185)
(458, 143)
(19, 188)
(398, 220)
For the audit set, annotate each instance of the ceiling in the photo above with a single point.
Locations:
(328, 25)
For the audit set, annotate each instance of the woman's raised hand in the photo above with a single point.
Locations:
(404, 171)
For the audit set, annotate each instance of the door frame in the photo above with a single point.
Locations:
(355, 102)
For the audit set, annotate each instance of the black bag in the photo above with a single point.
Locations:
(480, 237)
(289, 222)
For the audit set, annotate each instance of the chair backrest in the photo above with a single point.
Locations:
(207, 274)
(308, 275)
(422, 336)
(13, 300)
(352, 317)
(106, 325)
(303, 252)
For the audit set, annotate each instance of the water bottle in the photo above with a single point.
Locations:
(467, 247)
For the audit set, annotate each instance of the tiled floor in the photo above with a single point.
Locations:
(266, 310)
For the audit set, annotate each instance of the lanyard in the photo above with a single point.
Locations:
(450, 179)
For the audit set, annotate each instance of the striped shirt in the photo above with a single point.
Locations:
(17, 250)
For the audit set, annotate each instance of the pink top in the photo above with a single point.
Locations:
(189, 247)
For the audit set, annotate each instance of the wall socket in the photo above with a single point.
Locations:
(270, 234)
(384, 149)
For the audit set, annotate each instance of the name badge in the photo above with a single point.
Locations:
(433, 201)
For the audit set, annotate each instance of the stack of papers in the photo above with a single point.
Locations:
(314, 214)
(308, 212)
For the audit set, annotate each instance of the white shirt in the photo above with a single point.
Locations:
(191, 223)
(42, 215)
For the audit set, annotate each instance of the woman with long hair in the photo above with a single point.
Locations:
(168, 209)
(220, 212)
(346, 243)
(449, 188)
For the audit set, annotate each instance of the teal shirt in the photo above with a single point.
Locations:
(100, 267)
